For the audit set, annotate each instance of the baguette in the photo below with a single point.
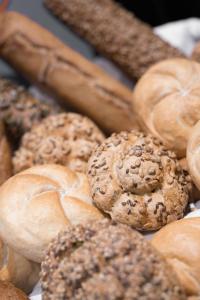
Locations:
(115, 33)
(46, 61)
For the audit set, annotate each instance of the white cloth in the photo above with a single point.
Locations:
(183, 35)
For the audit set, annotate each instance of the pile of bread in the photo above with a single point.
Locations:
(82, 179)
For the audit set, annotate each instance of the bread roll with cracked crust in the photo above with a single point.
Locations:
(193, 154)
(38, 203)
(67, 139)
(65, 73)
(167, 102)
(179, 242)
(16, 269)
(9, 292)
(137, 181)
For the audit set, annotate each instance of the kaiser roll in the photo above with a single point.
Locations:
(167, 102)
(137, 181)
(23, 273)
(38, 203)
(179, 242)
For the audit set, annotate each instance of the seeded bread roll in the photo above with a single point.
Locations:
(67, 139)
(5, 156)
(16, 269)
(65, 73)
(115, 33)
(179, 243)
(20, 110)
(9, 292)
(167, 102)
(137, 181)
(106, 261)
(36, 204)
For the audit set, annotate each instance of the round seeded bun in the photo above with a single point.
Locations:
(9, 292)
(166, 100)
(20, 110)
(137, 181)
(106, 261)
(67, 139)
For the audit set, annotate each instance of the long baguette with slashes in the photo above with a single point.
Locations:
(46, 61)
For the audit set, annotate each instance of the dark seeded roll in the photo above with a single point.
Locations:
(106, 261)
(19, 109)
(115, 33)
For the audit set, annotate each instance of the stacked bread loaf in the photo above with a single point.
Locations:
(78, 196)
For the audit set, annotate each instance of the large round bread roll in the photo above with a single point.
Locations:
(179, 242)
(167, 101)
(193, 154)
(14, 268)
(40, 202)
(9, 292)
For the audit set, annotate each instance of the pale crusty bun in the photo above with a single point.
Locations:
(16, 269)
(167, 102)
(40, 202)
(137, 181)
(179, 242)
(193, 154)
(67, 139)
(9, 292)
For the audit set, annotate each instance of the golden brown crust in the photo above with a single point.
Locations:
(67, 139)
(8, 292)
(16, 269)
(137, 181)
(105, 261)
(46, 199)
(61, 70)
(167, 102)
(179, 242)
(5, 156)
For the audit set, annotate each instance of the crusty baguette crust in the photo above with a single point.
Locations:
(45, 60)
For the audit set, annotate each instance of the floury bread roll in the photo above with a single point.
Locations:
(5, 156)
(179, 242)
(16, 269)
(65, 73)
(137, 181)
(114, 32)
(167, 102)
(9, 292)
(40, 202)
(193, 154)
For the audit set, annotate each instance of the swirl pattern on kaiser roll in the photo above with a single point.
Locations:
(14, 268)
(38, 203)
(179, 242)
(65, 73)
(167, 102)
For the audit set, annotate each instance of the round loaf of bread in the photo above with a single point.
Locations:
(196, 53)
(167, 102)
(67, 139)
(16, 269)
(104, 260)
(193, 154)
(179, 242)
(137, 181)
(9, 292)
(38, 203)
(5, 156)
